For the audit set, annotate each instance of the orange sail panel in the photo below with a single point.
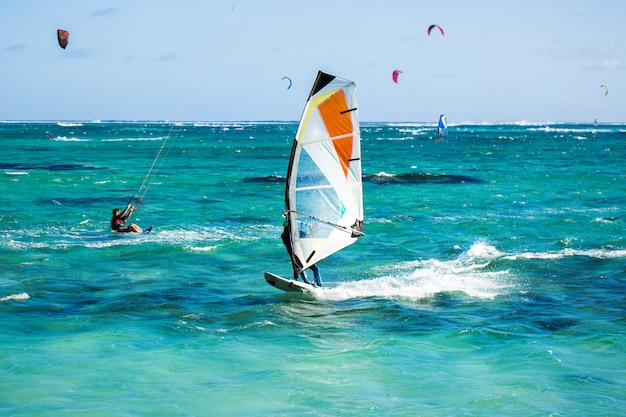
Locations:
(338, 121)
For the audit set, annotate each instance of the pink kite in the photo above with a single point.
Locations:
(431, 27)
(395, 75)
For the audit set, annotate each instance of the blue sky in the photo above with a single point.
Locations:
(499, 61)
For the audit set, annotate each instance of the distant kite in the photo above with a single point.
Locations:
(431, 27)
(606, 89)
(62, 37)
(395, 75)
(289, 79)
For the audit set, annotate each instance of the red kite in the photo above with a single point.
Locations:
(62, 37)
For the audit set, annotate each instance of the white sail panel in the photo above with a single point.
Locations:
(324, 189)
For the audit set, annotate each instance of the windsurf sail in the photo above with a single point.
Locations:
(324, 191)
(442, 127)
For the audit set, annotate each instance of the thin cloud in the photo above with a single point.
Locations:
(608, 64)
(172, 56)
(598, 59)
(108, 12)
(442, 74)
(558, 50)
(14, 48)
(79, 53)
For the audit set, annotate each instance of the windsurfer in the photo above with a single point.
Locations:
(118, 221)
(295, 262)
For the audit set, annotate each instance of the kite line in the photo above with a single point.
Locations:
(161, 156)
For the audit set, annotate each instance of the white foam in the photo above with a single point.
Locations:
(199, 239)
(69, 124)
(72, 139)
(384, 174)
(18, 297)
(468, 274)
(201, 249)
(134, 139)
(569, 252)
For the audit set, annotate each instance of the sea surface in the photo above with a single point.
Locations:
(491, 280)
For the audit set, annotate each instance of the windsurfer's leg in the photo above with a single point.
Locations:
(134, 228)
(304, 278)
(316, 275)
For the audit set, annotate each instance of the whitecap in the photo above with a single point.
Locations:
(570, 252)
(17, 297)
(69, 124)
(201, 249)
(420, 279)
(71, 139)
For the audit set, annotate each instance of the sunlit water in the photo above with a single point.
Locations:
(490, 281)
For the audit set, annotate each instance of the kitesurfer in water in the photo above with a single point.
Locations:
(286, 237)
(118, 221)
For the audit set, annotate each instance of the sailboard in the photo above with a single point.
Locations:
(442, 127)
(289, 285)
(324, 189)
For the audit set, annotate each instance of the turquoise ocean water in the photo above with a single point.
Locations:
(491, 280)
